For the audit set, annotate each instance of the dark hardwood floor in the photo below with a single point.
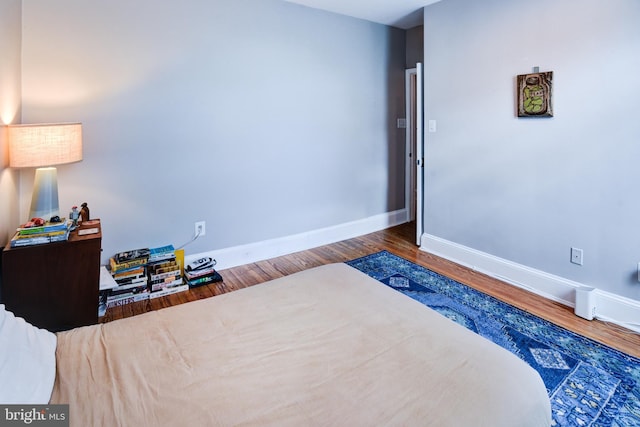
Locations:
(400, 241)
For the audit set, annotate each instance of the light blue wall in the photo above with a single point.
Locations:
(10, 38)
(415, 46)
(527, 190)
(261, 117)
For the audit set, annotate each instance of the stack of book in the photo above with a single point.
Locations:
(129, 270)
(201, 272)
(164, 272)
(48, 232)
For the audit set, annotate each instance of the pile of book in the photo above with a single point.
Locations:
(38, 233)
(143, 274)
(165, 273)
(201, 272)
(129, 270)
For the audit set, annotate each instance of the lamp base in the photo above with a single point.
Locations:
(44, 200)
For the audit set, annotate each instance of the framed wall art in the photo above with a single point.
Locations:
(535, 94)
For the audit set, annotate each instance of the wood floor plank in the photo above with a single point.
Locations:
(400, 241)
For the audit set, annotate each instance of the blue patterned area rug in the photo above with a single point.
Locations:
(589, 384)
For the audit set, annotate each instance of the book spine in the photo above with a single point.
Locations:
(169, 249)
(61, 237)
(132, 284)
(162, 276)
(44, 229)
(163, 265)
(158, 286)
(135, 271)
(155, 259)
(204, 280)
(194, 274)
(123, 257)
(131, 279)
(47, 234)
(37, 240)
(162, 254)
(168, 291)
(131, 272)
(126, 300)
(131, 290)
(118, 267)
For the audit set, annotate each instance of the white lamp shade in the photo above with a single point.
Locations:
(44, 144)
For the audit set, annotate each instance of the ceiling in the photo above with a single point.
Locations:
(403, 14)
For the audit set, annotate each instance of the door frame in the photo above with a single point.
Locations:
(414, 147)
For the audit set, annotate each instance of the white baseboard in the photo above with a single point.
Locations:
(609, 307)
(258, 251)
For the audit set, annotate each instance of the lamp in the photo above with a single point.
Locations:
(43, 146)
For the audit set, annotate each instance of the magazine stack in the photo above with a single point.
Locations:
(201, 272)
(129, 270)
(38, 231)
(164, 272)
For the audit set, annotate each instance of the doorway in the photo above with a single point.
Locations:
(414, 169)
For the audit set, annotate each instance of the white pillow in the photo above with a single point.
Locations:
(27, 361)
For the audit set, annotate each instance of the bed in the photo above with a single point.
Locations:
(324, 347)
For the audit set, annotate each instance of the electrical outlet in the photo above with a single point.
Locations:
(576, 256)
(200, 228)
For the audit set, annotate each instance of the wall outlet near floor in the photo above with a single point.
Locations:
(576, 256)
(200, 228)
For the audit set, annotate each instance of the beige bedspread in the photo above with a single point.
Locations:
(328, 346)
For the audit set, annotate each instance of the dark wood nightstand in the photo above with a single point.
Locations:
(55, 285)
